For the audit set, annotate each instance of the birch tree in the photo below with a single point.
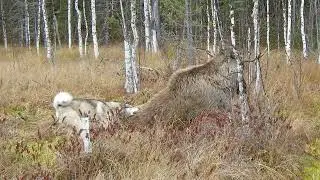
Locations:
(47, 32)
(289, 25)
(4, 29)
(208, 29)
(69, 24)
(214, 24)
(268, 29)
(303, 35)
(131, 83)
(154, 28)
(189, 32)
(146, 5)
(318, 33)
(94, 29)
(255, 12)
(76, 4)
(134, 46)
(27, 24)
(243, 95)
(38, 28)
(86, 25)
(284, 14)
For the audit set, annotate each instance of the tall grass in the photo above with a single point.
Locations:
(206, 149)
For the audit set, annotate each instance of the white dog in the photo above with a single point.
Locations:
(69, 110)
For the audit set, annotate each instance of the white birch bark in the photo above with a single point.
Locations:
(255, 12)
(303, 34)
(208, 30)
(56, 25)
(94, 29)
(134, 47)
(69, 24)
(47, 32)
(214, 24)
(243, 95)
(27, 25)
(155, 46)
(318, 33)
(288, 44)
(146, 5)
(38, 28)
(268, 29)
(284, 14)
(86, 25)
(4, 29)
(76, 4)
(217, 22)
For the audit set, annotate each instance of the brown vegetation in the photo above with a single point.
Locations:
(208, 146)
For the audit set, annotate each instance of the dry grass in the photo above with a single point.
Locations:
(31, 148)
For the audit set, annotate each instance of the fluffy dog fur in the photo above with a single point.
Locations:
(69, 110)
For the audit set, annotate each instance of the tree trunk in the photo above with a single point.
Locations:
(189, 32)
(76, 4)
(134, 47)
(214, 24)
(243, 95)
(268, 29)
(4, 29)
(303, 35)
(86, 25)
(27, 25)
(289, 25)
(154, 29)
(146, 4)
(255, 13)
(318, 33)
(56, 25)
(47, 32)
(38, 27)
(284, 14)
(94, 29)
(69, 24)
(208, 30)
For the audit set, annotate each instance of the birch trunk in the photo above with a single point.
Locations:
(56, 25)
(189, 32)
(76, 4)
(268, 29)
(4, 29)
(47, 32)
(255, 12)
(284, 14)
(219, 26)
(134, 47)
(69, 24)
(318, 33)
(288, 44)
(243, 95)
(214, 24)
(94, 29)
(303, 34)
(27, 25)
(38, 27)
(146, 5)
(208, 30)
(155, 46)
(86, 25)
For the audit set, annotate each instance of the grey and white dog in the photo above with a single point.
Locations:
(69, 110)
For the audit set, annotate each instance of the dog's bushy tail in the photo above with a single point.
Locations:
(62, 99)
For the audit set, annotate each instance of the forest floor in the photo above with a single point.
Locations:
(31, 147)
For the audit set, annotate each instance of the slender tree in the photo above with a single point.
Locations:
(214, 24)
(303, 35)
(4, 28)
(86, 25)
(47, 32)
(208, 29)
(289, 26)
(268, 29)
(243, 95)
(69, 24)
(146, 5)
(155, 25)
(94, 29)
(76, 4)
(38, 27)
(27, 24)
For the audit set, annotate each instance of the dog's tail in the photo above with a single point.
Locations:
(62, 99)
